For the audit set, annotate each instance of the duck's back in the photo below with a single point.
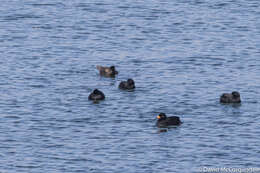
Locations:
(126, 86)
(102, 70)
(169, 121)
(123, 85)
(229, 98)
(174, 120)
(93, 96)
(106, 71)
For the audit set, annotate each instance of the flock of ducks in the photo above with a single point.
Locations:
(162, 119)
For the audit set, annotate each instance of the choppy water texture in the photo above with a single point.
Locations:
(182, 56)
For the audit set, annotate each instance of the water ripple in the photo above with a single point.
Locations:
(182, 55)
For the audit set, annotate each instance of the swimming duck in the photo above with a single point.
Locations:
(234, 97)
(164, 121)
(96, 95)
(107, 71)
(127, 85)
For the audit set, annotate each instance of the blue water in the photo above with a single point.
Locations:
(182, 55)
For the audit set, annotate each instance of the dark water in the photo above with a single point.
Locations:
(182, 56)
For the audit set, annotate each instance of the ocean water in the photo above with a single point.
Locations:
(182, 55)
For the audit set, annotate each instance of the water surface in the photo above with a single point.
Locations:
(182, 56)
